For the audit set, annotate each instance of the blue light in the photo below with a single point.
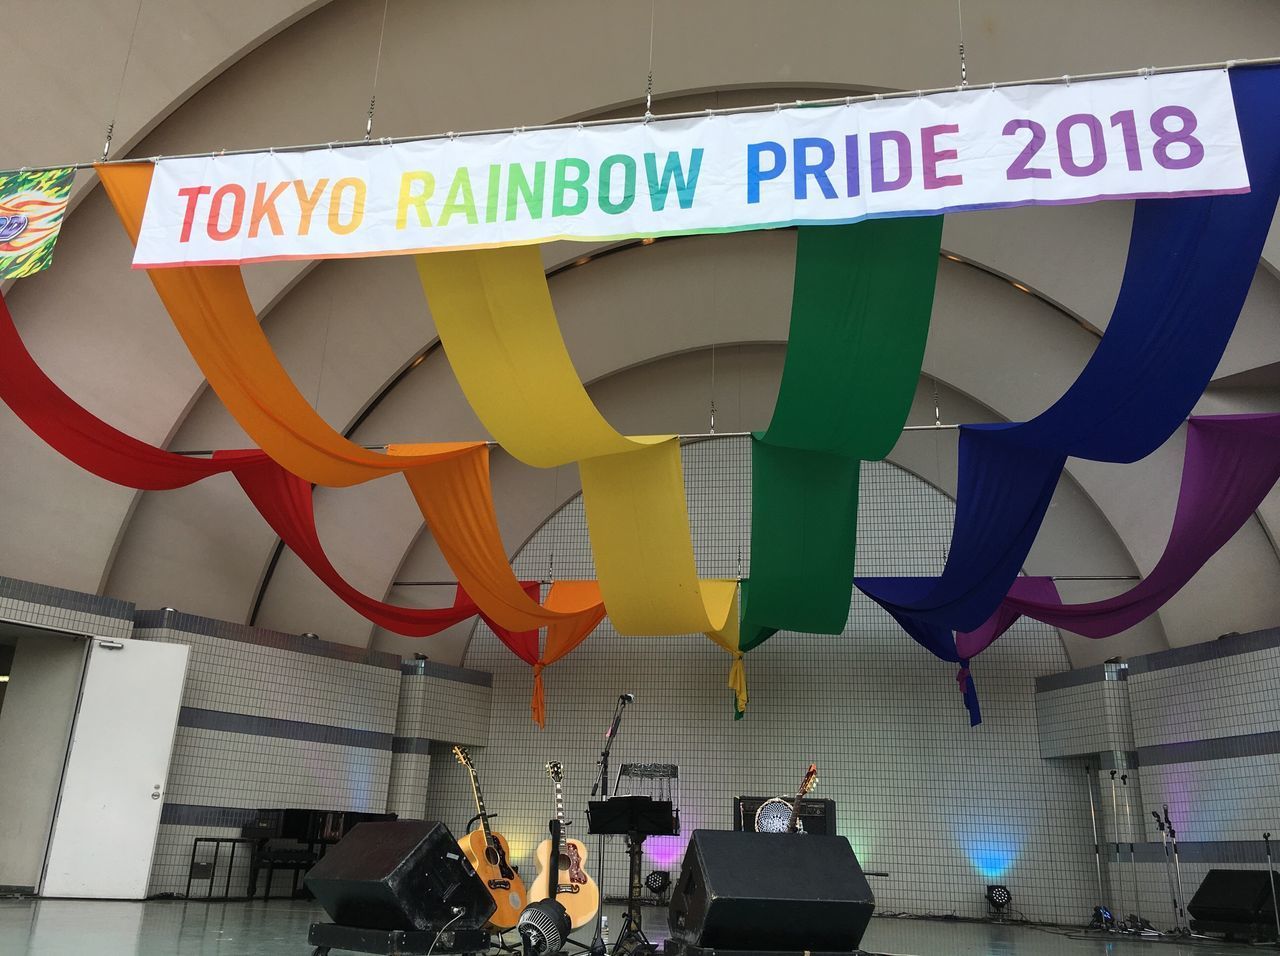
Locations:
(991, 859)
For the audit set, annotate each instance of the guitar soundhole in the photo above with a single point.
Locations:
(491, 855)
(565, 861)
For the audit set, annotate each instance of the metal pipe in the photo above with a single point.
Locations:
(1093, 817)
(693, 436)
(760, 108)
(449, 584)
(1133, 856)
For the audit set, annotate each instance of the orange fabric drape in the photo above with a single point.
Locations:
(565, 636)
(455, 498)
(210, 307)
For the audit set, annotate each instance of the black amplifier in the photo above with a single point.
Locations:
(816, 816)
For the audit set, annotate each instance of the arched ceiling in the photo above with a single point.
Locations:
(641, 322)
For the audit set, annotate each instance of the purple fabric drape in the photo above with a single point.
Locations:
(1230, 464)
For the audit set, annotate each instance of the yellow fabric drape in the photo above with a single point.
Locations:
(211, 310)
(493, 311)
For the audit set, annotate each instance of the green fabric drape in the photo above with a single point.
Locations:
(859, 321)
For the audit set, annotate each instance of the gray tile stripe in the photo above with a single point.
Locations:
(1076, 678)
(461, 675)
(1118, 760)
(410, 745)
(1217, 748)
(1209, 651)
(34, 593)
(227, 630)
(1209, 851)
(286, 729)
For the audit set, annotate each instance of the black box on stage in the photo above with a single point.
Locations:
(410, 874)
(1239, 898)
(770, 891)
(816, 816)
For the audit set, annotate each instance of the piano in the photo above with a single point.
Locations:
(311, 830)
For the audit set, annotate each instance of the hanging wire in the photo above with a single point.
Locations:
(964, 73)
(712, 429)
(124, 71)
(691, 114)
(377, 67)
(555, 507)
(648, 90)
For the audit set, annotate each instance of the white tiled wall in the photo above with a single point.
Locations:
(63, 619)
(1086, 719)
(243, 678)
(1217, 698)
(435, 708)
(214, 768)
(407, 788)
(217, 768)
(943, 808)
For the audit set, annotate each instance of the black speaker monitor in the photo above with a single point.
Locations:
(1233, 896)
(770, 891)
(410, 874)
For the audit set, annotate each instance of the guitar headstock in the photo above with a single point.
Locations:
(555, 770)
(463, 756)
(810, 779)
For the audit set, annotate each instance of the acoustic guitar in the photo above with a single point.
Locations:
(565, 880)
(490, 854)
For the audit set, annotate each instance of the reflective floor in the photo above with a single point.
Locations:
(74, 928)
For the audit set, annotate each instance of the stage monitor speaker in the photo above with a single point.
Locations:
(406, 875)
(816, 816)
(1233, 896)
(770, 891)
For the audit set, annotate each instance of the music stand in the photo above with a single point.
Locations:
(636, 818)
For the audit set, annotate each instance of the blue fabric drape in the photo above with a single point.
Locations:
(1191, 262)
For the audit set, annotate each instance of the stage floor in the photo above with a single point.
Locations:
(278, 928)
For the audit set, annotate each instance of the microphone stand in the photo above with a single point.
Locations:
(1275, 904)
(1118, 888)
(601, 786)
(1185, 923)
(1097, 847)
(1168, 870)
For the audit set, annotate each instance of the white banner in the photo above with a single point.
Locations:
(981, 148)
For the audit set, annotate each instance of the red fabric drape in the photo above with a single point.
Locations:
(523, 644)
(283, 499)
(80, 436)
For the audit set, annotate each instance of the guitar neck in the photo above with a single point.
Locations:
(795, 812)
(484, 817)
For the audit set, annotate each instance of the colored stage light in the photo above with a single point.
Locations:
(998, 897)
(657, 882)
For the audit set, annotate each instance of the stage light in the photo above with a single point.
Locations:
(657, 882)
(998, 897)
(543, 927)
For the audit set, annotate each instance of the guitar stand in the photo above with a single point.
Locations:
(631, 938)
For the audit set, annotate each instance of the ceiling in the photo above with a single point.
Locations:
(642, 323)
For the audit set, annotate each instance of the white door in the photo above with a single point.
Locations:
(104, 833)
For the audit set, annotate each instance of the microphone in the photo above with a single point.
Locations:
(627, 698)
